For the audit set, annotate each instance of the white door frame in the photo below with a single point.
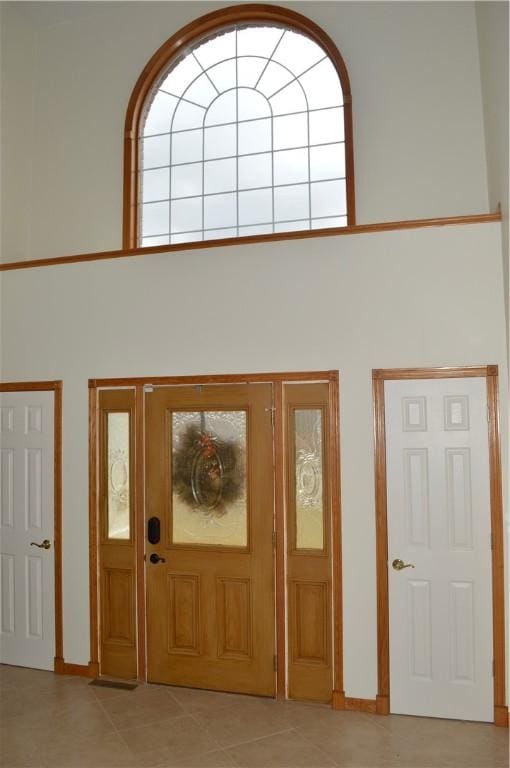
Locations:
(56, 388)
(490, 373)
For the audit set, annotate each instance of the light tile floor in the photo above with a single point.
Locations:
(50, 721)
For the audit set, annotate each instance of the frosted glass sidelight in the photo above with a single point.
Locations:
(308, 441)
(208, 470)
(118, 461)
(250, 124)
(219, 176)
(255, 207)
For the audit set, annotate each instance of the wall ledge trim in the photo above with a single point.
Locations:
(357, 229)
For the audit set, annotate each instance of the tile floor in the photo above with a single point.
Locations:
(50, 721)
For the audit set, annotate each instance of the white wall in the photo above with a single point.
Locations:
(410, 298)
(493, 32)
(418, 127)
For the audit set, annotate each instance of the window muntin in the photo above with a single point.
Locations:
(244, 135)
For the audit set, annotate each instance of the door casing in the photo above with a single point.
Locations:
(277, 380)
(56, 388)
(490, 373)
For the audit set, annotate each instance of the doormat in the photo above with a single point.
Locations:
(113, 684)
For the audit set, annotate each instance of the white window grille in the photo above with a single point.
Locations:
(243, 135)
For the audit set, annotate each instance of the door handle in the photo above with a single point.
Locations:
(399, 565)
(43, 545)
(155, 558)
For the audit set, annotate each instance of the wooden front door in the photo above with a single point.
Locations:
(209, 528)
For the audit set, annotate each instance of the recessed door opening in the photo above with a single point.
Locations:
(216, 522)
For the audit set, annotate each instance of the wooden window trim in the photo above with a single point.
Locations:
(179, 42)
(490, 373)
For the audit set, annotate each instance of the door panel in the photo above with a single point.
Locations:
(210, 599)
(309, 567)
(27, 518)
(439, 521)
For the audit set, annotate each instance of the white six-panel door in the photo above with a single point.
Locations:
(439, 521)
(27, 621)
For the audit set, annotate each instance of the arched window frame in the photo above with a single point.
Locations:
(192, 34)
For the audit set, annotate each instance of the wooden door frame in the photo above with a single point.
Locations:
(55, 387)
(490, 373)
(277, 380)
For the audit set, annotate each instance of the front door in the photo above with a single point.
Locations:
(439, 548)
(27, 526)
(209, 552)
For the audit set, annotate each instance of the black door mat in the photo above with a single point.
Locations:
(101, 683)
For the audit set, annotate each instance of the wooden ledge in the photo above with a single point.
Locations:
(358, 229)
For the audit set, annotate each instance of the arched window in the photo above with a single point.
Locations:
(239, 125)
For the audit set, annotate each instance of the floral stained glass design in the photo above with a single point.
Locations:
(209, 503)
(309, 479)
(118, 476)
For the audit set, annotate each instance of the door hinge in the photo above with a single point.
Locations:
(274, 539)
(493, 668)
(147, 389)
(275, 662)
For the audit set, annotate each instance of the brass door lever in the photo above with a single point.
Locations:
(44, 545)
(399, 565)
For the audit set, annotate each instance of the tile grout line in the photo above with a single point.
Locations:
(309, 741)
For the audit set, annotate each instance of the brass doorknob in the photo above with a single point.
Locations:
(43, 545)
(398, 564)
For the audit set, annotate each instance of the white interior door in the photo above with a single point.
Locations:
(27, 615)
(439, 520)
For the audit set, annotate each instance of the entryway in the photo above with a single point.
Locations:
(216, 519)
(440, 552)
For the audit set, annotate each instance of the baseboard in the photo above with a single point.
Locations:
(361, 705)
(61, 667)
(382, 705)
(501, 717)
